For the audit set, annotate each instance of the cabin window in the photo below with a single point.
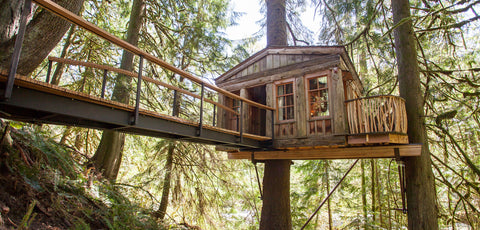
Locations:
(318, 96)
(285, 101)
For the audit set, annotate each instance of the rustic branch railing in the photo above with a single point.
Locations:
(377, 114)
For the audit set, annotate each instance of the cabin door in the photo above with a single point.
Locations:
(256, 119)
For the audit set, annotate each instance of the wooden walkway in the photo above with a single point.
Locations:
(28, 107)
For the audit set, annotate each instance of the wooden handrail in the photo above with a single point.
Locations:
(377, 114)
(134, 75)
(77, 20)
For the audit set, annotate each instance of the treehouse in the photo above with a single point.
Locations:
(317, 96)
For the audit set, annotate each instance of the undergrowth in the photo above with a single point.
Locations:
(44, 185)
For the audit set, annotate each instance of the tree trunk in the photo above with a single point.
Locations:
(276, 196)
(57, 74)
(276, 180)
(162, 210)
(364, 195)
(276, 23)
(42, 34)
(422, 211)
(329, 207)
(108, 156)
(372, 190)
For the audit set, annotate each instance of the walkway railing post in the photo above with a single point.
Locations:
(241, 121)
(27, 6)
(104, 83)
(49, 70)
(214, 114)
(273, 124)
(238, 120)
(200, 124)
(139, 90)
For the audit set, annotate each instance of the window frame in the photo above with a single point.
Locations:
(285, 82)
(308, 77)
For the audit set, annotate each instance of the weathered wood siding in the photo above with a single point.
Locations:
(338, 103)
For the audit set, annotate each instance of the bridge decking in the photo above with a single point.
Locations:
(40, 102)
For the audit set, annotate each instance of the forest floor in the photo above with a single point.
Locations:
(44, 185)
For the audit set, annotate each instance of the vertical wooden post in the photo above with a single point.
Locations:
(338, 105)
(244, 126)
(270, 120)
(300, 107)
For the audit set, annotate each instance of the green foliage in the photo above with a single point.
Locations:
(63, 189)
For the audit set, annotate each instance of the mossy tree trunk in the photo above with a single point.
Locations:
(422, 211)
(108, 157)
(44, 31)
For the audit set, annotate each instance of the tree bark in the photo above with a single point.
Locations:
(276, 180)
(329, 208)
(372, 190)
(167, 180)
(364, 195)
(421, 195)
(162, 210)
(276, 196)
(108, 157)
(276, 23)
(42, 34)
(57, 74)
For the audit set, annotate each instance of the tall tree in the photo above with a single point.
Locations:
(276, 180)
(422, 211)
(108, 156)
(42, 34)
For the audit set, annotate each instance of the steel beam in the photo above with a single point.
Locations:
(38, 107)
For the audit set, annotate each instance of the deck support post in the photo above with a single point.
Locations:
(200, 124)
(104, 83)
(17, 49)
(49, 70)
(139, 91)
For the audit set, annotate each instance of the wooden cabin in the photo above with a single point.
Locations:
(318, 99)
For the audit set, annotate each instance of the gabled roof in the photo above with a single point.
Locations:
(308, 53)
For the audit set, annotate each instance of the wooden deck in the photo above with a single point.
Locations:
(341, 152)
(377, 138)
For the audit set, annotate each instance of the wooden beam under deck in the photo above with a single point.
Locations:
(344, 152)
